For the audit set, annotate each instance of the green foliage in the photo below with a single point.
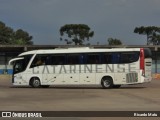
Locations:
(77, 33)
(112, 41)
(9, 36)
(6, 34)
(152, 32)
(22, 37)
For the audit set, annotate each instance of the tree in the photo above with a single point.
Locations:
(9, 36)
(77, 33)
(152, 33)
(22, 37)
(6, 34)
(115, 41)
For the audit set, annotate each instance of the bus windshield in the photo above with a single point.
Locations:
(21, 64)
(18, 66)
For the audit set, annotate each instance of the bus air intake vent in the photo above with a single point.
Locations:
(132, 77)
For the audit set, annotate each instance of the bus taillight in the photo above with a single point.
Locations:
(142, 62)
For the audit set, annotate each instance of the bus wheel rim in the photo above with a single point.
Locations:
(106, 83)
(36, 83)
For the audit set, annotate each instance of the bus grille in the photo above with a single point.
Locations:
(132, 77)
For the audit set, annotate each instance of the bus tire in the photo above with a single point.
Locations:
(35, 82)
(107, 82)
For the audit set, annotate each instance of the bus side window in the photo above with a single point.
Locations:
(107, 58)
(73, 59)
(58, 59)
(129, 57)
(115, 58)
(93, 59)
(81, 59)
(124, 58)
(38, 60)
(47, 60)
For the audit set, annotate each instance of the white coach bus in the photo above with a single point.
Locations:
(110, 68)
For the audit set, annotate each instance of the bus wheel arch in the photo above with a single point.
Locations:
(107, 82)
(35, 82)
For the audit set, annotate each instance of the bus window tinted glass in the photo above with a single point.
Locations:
(21, 65)
(111, 58)
(129, 57)
(107, 58)
(115, 58)
(93, 59)
(120, 57)
(26, 60)
(73, 59)
(40, 60)
(58, 60)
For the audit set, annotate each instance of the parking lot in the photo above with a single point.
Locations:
(142, 97)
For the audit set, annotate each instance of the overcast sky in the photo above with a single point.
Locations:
(107, 18)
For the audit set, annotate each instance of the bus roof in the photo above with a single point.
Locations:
(78, 50)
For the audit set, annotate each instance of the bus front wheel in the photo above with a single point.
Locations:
(107, 82)
(35, 82)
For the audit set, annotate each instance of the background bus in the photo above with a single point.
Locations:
(82, 66)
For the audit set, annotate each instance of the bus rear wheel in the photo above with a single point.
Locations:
(35, 82)
(107, 82)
